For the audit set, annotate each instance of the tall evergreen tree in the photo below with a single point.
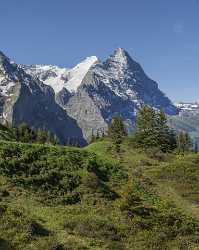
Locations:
(146, 132)
(184, 142)
(196, 147)
(166, 136)
(117, 132)
(152, 130)
(41, 136)
(24, 133)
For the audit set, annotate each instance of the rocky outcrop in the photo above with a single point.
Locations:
(27, 99)
(116, 87)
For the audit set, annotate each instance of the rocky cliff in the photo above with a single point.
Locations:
(81, 101)
(26, 99)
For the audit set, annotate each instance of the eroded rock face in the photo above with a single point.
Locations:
(88, 115)
(26, 99)
(62, 97)
(118, 86)
(81, 101)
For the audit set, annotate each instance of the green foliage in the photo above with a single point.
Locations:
(60, 198)
(94, 137)
(152, 130)
(56, 172)
(184, 143)
(6, 133)
(95, 227)
(24, 133)
(18, 228)
(196, 147)
(117, 132)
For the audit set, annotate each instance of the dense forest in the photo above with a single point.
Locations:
(121, 192)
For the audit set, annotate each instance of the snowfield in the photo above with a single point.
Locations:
(59, 78)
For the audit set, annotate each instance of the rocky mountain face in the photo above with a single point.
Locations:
(81, 101)
(26, 99)
(117, 86)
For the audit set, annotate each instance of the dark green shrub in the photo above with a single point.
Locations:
(114, 245)
(71, 198)
(3, 192)
(36, 229)
(5, 245)
(156, 154)
(91, 181)
(57, 173)
(94, 227)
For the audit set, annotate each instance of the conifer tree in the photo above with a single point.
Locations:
(184, 142)
(117, 132)
(41, 136)
(166, 136)
(146, 128)
(24, 133)
(93, 138)
(152, 130)
(97, 135)
(196, 147)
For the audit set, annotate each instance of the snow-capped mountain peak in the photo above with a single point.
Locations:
(86, 98)
(59, 78)
(8, 75)
(120, 55)
(51, 75)
(76, 75)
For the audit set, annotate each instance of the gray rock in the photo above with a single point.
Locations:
(83, 100)
(25, 99)
(117, 87)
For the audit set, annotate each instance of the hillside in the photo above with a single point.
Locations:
(60, 198)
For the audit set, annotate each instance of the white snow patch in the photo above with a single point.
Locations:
(59, 78)
(4, 88)
(77, 74)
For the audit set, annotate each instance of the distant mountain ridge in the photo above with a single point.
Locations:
(188, 106)
(81, 101)
(187, 120)
(59, 78)
(26, 99)
(117, 86)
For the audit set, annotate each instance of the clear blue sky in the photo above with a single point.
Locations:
(163, 35)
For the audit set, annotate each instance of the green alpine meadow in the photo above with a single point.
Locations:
(122, 191)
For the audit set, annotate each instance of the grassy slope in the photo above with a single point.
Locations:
(176, 177)
(99, 201)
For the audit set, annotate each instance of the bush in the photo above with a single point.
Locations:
(5, 245)
(91, 181)
(35, 229)
(3, 192)
(94, 227)
(156, 154)
(57, 174)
